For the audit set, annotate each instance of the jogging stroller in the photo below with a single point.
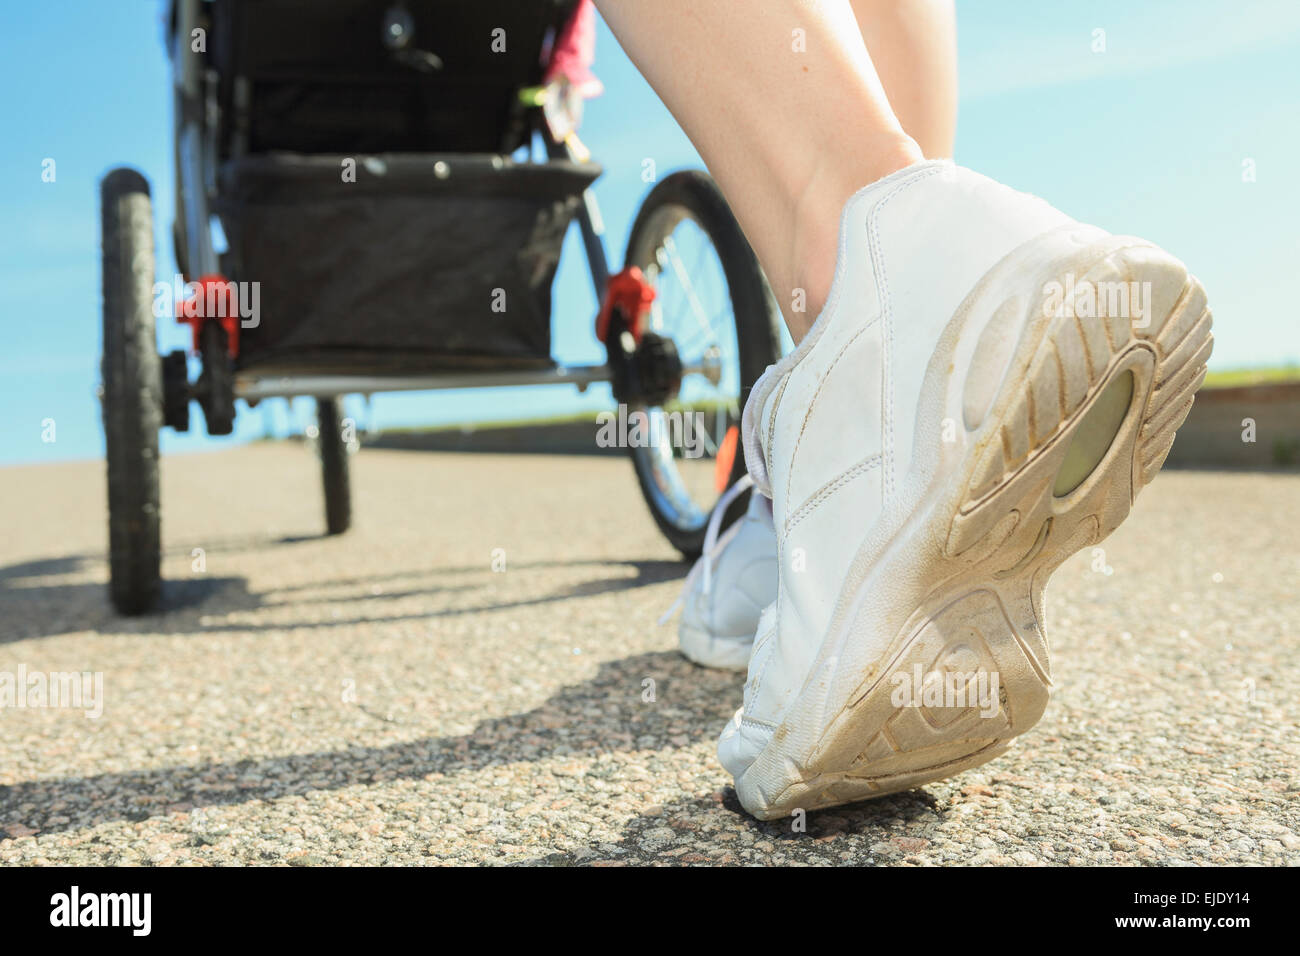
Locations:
(372, 196)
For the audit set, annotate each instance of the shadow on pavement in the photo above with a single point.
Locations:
(33, 608)
(646, 837)
(603, 715)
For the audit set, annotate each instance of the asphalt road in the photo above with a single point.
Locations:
(389, 697)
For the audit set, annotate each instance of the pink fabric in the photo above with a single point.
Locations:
(575, 51)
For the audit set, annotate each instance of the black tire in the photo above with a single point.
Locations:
(757, 316)
(334, 466)
(132, 393)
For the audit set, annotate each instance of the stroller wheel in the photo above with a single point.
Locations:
(132, 392)
(714, 306)
(334, 465)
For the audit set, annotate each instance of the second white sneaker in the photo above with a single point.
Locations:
(729, 585)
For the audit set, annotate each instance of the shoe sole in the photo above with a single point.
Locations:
(1083, 418)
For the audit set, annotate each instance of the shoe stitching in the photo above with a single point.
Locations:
(757, 680)
(821, 384)
(761, 647)
(771, 424)
(886, 378)
(828, 489)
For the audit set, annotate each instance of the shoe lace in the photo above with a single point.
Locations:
(712, 545)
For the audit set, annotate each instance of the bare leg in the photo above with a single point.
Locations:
(788, 112)
(913, 45)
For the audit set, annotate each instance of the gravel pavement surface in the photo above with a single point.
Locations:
(387, 697)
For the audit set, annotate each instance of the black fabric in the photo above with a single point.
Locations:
(398, 270)
(319, 78)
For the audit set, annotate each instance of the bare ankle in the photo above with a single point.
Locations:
(815, 245)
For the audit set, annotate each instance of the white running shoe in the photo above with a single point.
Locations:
(989, 386)
(729, 585)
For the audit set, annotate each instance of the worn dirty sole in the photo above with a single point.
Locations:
(936, 657)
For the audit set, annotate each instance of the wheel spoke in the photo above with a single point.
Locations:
(697, 308)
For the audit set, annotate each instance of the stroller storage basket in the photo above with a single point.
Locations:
(397, 262)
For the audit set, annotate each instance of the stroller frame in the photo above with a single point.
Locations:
(196, 162)
(313, 347)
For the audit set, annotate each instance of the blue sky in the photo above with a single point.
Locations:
(1147, 138)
